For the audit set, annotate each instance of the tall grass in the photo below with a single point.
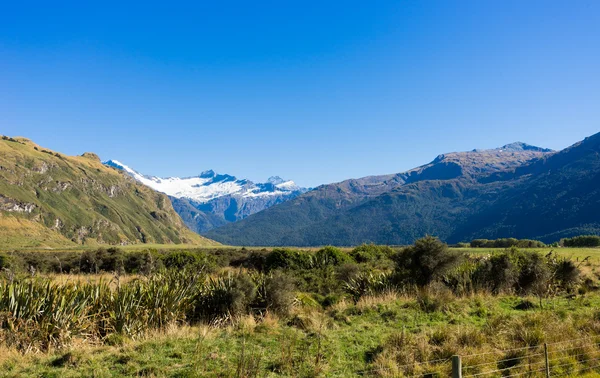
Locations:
(38, 314)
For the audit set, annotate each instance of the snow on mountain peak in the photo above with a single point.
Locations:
(209, 185)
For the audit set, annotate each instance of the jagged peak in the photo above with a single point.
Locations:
(520, 146)
(515, 147)
(275, 180)
(208, 174)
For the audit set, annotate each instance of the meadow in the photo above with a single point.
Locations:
(234, 312)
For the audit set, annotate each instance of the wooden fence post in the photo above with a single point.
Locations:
(456, 367)
(547, 362)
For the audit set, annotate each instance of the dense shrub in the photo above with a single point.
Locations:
(534, 275)
(424, 262)
(566, 275)
(506, 243)
(89, 262)
(330, 256)
(527, 243)
(581, 241)
(282, 258)
(525, 272)
(225, 297)
(142, 262)
(256, 260)
(181, 259)
(497, 274)
(370, 252)
(276, 293)
(110, 260)
(347, 271)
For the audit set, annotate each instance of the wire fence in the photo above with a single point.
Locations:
(568, 358)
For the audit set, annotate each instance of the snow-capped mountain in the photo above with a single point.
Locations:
(210, 200)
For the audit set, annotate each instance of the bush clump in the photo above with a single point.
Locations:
(424, 262)
(581, 241)
(506, 243)
(366, 253)
(225, 297)
(330, 256)
(283, 258)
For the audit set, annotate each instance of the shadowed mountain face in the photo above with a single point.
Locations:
(391, 209)
(50, 200)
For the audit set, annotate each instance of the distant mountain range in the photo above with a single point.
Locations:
(517, 190)
(51, 200)
(211, 200)
(48, 199)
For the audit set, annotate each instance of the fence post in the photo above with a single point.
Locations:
(456, 367)
(547, 362)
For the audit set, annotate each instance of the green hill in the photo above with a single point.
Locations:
(51, 200)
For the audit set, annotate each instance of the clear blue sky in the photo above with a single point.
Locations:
(314, 91)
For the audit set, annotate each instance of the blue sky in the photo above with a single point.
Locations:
(314, 91)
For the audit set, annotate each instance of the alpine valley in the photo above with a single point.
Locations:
(212, 200)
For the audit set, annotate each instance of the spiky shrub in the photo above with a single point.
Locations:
(40, 315)
(460, 279)
(169, 296)
(275, 292)
(224, 297)
(368, 284)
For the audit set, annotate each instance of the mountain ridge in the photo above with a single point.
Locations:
(391, 209)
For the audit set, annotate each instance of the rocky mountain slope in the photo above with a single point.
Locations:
(438, 198)
(48, 199)
(211, 200)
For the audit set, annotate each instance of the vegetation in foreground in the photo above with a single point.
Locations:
(372, 311)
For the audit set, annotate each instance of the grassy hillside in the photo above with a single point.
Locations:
(48, 199)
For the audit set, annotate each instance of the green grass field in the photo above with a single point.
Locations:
(574, 253)
(401, 332)
(378, 336)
